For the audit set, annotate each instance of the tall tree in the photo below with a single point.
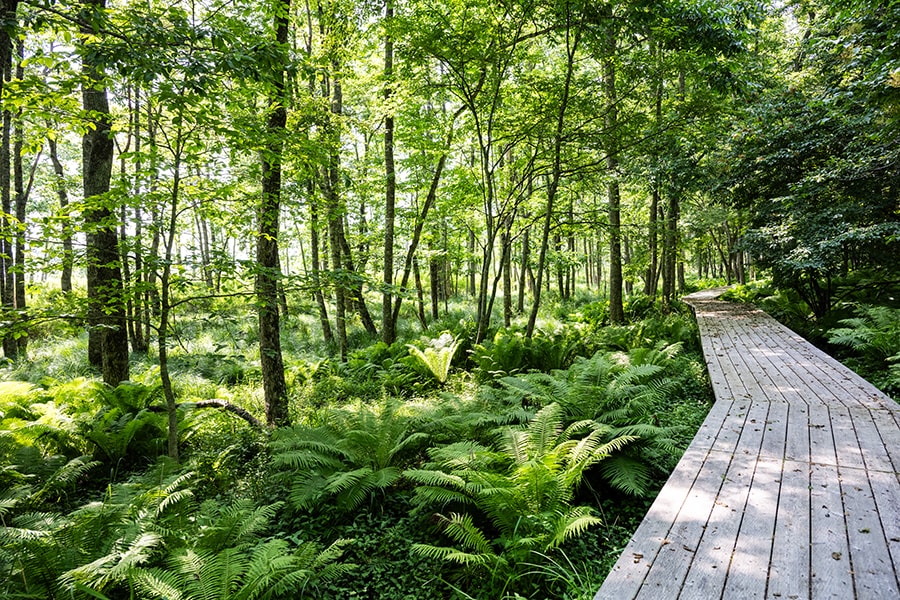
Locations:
(68, 257)
(573, 35)
(7, 278)
(108, 338)
(268, 270)
(613, 193)
(388, 325)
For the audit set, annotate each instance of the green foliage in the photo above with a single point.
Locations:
(357, 452)
(750, 293)
(510, 352)
(437, 356)
(874, 338)
(624, 393)
(151, 536)
(523, 487)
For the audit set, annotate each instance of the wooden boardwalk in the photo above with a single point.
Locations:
(789, 490)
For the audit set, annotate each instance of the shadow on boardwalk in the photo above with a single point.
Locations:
(790, 488)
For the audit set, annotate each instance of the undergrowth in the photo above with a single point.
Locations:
(431, 468)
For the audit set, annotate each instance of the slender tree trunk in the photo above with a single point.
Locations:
(470, 273)
(355, 290)
(506, 268)
(616, 309)
(523, 272)
(141, 341)
(108, 338)
(7, 290)
(336, 219)
(165, 309)
(131, 321)
(21, 205)
(422, 218)
(434, 276)
(556, 175)
(420, 295)
(65, 282)
(626, 260)
(268, 274)
(316, 269)
(652, 282)
(388, 325)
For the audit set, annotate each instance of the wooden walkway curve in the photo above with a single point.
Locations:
(789, 490)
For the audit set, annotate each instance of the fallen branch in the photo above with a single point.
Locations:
(224, 405)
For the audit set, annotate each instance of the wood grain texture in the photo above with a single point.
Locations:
(791, 487)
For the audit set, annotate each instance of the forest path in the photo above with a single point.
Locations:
(790, 488)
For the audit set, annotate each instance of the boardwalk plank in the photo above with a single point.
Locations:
(791, 488)
(706, 577)
(747, 576)
(831, 575)
(873, 571)
(627, 575)
(664, 580)
(789, 571)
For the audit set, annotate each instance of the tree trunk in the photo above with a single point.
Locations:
(523, 272)
(388, 325)
(108, 339)
(336, 219)
(268, 274)
(616, 309)
(7, 289)
(651, 284)
(434, 276)
(571, 48)
(21, 204)
(470, 274)
(65, 282)
(318, 294)
(506, 268)
(420, 296)
(164, 309)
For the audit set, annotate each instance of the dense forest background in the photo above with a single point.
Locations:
(355, 299)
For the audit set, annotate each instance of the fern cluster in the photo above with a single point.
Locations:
(873, 336)
(622, 392)
(499, 505)
(150, 538)
(358, 451)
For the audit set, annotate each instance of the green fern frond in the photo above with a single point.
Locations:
(571, 524)
(444, 553)
(158, 583)
(307, 490)
(438, 356)
(435, 478)
(627, 474)
(545, 429)
(118, 565)
(462, 529)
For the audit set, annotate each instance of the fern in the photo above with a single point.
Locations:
(523, 488)
(357, 453)
(874, 336)
(437, 356)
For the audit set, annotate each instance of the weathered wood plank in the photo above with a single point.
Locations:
(675, 556)
(873, 571)
(886, 490)
(888, 428)
(790, 488)
(789, 571)
(708, 571)
(627, 575)
(831, 575)
(748, 573)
